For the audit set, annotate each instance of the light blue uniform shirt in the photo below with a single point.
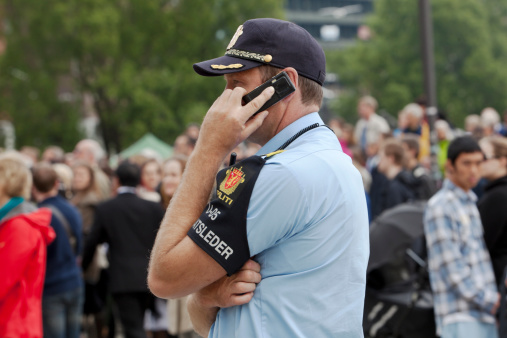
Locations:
(307, 226)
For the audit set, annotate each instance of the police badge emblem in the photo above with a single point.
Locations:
(233, 178)
(239, 31)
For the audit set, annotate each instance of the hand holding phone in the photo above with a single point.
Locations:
(283, 87)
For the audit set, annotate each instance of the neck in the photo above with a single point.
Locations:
(293, 114)
(499, 174)
(41, 196)
(3, 200)
(456, 183)
(392, 172)
(411, 163)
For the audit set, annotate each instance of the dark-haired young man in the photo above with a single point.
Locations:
(129, 224)
(63, 295)
(461, 275)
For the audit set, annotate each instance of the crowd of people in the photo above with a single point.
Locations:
(102, 223)
(79, 234)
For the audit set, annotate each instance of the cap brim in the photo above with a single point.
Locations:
(224, 65)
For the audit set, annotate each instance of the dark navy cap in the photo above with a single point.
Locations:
(269, 42)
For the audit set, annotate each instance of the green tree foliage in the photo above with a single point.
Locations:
(134, 57)
(470, 43)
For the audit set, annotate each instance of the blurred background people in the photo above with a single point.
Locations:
(461, 275)
(423, 185)
(129, 225)
(86, 193)
(65, 175)
(193, 130)
(373, 142)
(32, 153)
(473, 126)
(172, 171)
(86, 197)
(92, 153)
(369, 122)
(490, 121)
(444, 137)
(151, 175)
(396, 185)
(414, 114)
(184, 145)
(493, 204)
(503, 127)
(63, 296)
(53, 154)
(24, 235)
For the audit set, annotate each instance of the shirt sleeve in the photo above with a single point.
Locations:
(277, 208)
(446, 260)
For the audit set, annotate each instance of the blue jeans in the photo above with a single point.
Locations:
(61, 314)
(469, 330)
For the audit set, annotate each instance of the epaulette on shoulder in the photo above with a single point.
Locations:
(272, 154)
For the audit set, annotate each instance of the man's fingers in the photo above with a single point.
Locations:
(251, 265)
(257, 103)
(242, 299)
(237, 94)
(224, 97)
(253, 124)
(248, 276)
(243, 287)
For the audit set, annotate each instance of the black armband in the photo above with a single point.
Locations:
(221, 229)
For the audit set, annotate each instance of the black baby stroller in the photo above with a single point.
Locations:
(398, 299)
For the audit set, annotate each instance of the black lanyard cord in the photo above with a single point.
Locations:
(299, 133)
(232, 160)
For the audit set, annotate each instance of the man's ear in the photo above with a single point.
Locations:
(449, 168)
(293, 75)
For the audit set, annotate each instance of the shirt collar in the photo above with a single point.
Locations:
(290, 131)
(126, 190)
(462, 194)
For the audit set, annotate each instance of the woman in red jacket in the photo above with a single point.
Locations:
(24, 234)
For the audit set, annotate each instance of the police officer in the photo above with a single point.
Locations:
(297, 208)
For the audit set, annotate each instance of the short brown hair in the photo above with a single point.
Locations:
(44, 177)
(311, 91)
(412, 142)
(15, 178)
(392, 147)
(499, 144)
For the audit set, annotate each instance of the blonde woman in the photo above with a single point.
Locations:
(24, 235)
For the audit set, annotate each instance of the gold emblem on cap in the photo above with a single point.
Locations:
(233, 66)
(239, 31)
(249, 55)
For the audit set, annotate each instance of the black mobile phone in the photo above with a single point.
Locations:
(283, 88)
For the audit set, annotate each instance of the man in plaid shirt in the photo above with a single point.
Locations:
(460, 270)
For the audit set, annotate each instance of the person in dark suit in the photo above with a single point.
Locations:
(129, 225)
